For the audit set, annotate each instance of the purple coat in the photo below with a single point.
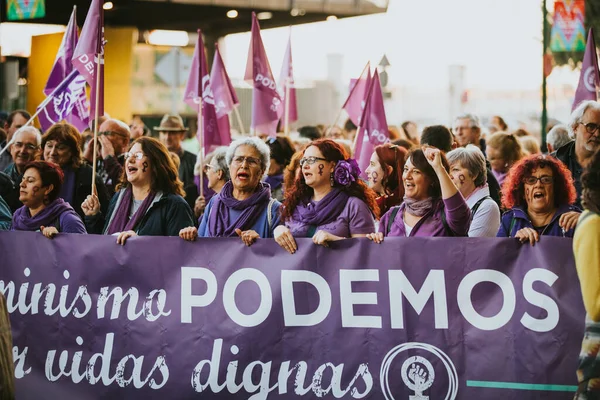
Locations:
(515, 219)
(458, 219)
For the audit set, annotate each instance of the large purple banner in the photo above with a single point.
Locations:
(442, 318)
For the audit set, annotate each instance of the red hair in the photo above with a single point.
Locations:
(513, 189)
(395, 157)
(301, 192)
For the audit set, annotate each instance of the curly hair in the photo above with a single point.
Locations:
(292, 169)
(301, 192)
(69, 135)
(513, 189)
(590, 180)
(395, 157)
(165, 177)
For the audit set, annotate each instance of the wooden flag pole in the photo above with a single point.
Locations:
(286, 110)
(334, 121)
(239, 120)
(355, 142)
(201, 140)
(96, 117)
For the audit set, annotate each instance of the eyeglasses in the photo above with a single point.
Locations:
(545, 179)
(138, 155)
(30, 147)
(111, 133)
(590, 127)
(251, 161)
(310, 160)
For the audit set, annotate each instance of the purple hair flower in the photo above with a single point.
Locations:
(346, 172)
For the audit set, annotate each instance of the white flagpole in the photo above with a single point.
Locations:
(286, 114)
(201, 140)
(239, 120)
(96, 117)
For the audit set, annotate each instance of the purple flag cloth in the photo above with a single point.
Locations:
(449, 318)
(589, 79)
(79, 116)
(67, 99)
(355, 102)
(89, 48)
(223, 92)
(267, 107)
(373, 130)
(215, 132)
(286, 79)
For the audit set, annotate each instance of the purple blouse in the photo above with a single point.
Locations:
(355, 219)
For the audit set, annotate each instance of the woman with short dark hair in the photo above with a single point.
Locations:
(432, 205)
(43, 210)
(61, 145)
(149, 199)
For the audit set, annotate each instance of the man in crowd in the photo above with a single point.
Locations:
(171, 133)
(557, 137)
(25, 148)
(15, 120)
(467, 130)
(138, 128)
(584, 126)
(113, 142)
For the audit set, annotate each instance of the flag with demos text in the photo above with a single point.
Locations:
(286, 82)
(589, 80)
(355, 102)
(90, 51)
(223, 92)
(70, 104)
(267, 107)
(214, 132)
(374, 128)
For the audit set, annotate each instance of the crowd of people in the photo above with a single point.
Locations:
(439, 182)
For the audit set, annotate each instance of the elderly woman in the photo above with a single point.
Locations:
(60, 145)
(586, 246)
(539, 194)
(43, 210)
(216, 173)
(244, 207)
(469, 173)
(329, 202)
(503, 150)
(384, 175)
(432, 205)
(149, 199)
(282, 150)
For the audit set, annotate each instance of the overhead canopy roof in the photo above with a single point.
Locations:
(209, 15)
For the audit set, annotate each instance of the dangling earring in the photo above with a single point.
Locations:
(331, 181)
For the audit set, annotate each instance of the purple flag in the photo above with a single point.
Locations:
(214, 131)
(374, 128)
(267, 107)
(54, 112)
(67, 102)
(589, 80)
(89, 48)
(355, 102)
(287, 79)
(224, 93)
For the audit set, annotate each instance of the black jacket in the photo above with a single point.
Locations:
(186, 174)
(10, 181)
(567, 155)
(166, 216)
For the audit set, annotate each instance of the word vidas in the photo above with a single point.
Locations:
(434, 287)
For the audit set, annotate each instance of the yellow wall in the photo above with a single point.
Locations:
(117, 73)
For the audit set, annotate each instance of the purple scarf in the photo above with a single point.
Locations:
(321, 212)
(67, 191)
(23, 221)
(500, 176)
(121, 221)
(275, 181)
(219, 224)
(418, 208)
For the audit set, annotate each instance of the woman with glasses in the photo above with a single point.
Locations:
(149, 199)
(328, 202)
(244, 207)
(539, 193)
(60, 145)
(432, 205)
(384, 175)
